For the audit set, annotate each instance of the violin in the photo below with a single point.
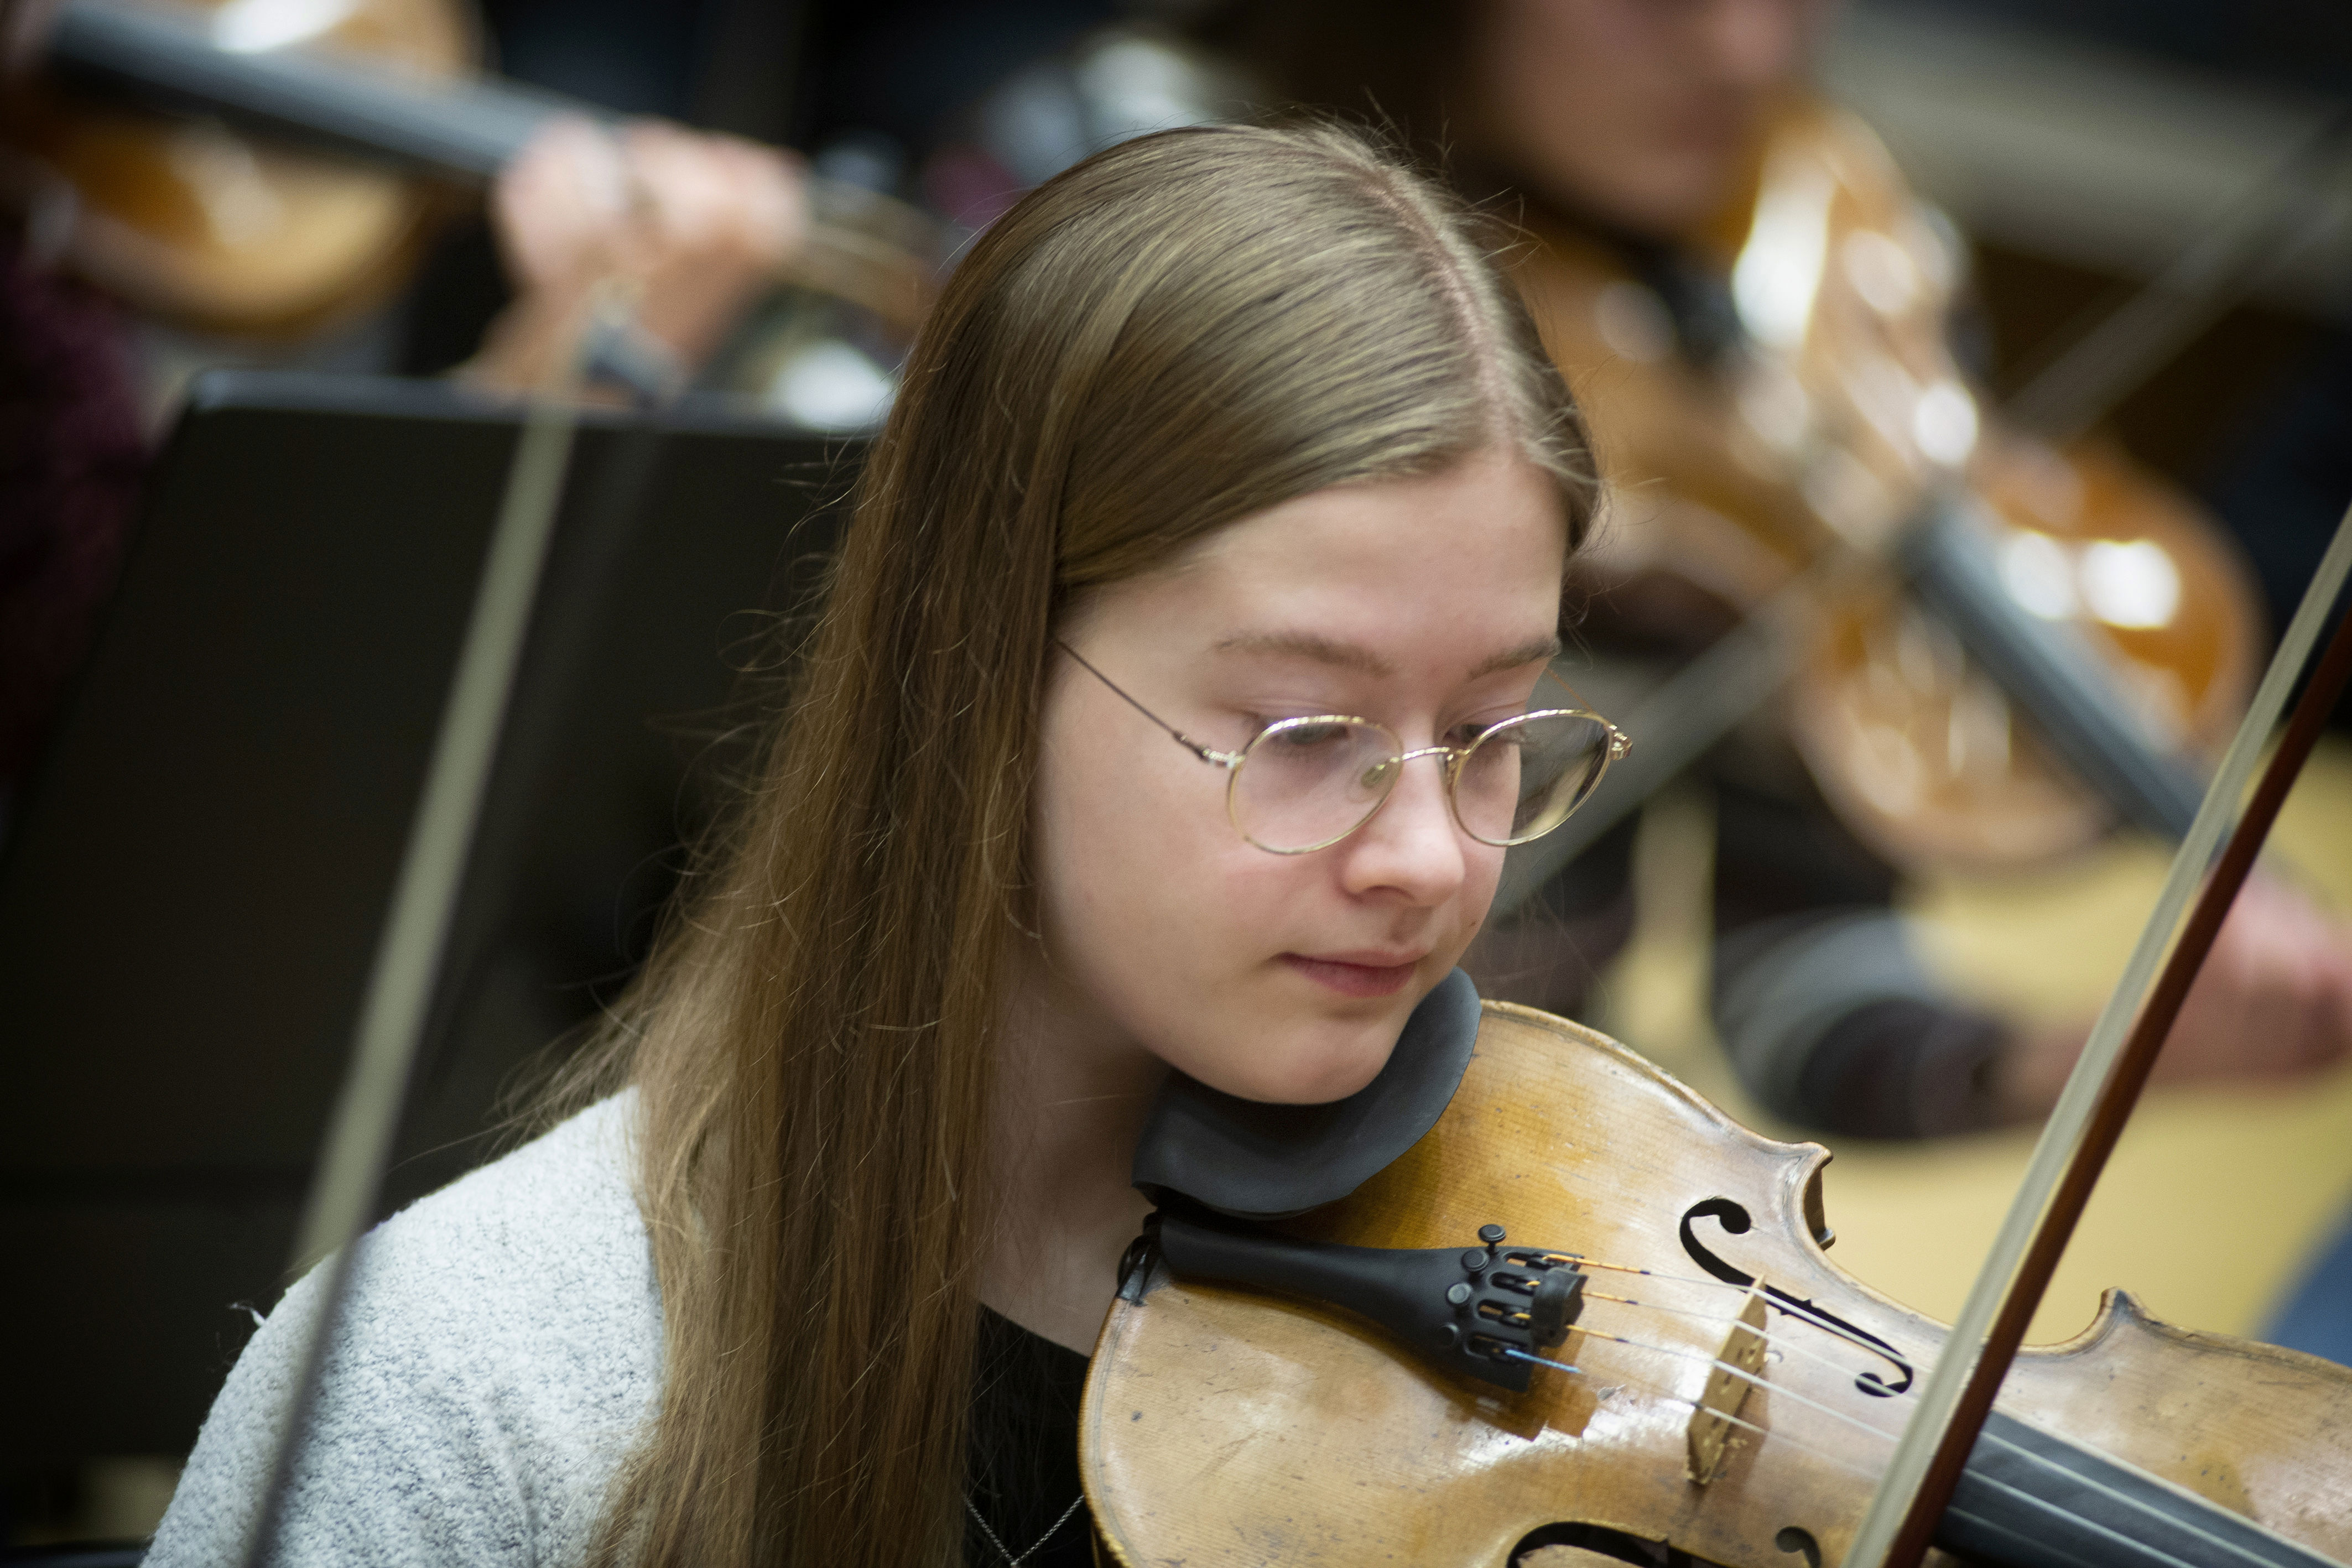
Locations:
(242, 165)
(195, 222)
(1583, 1317)
(1722, 1393)
(2040, 641)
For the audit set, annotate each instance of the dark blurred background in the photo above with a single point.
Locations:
(2144, 121)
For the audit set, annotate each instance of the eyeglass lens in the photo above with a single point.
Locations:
(1305, 783)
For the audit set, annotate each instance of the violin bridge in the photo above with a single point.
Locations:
(1710, 1428)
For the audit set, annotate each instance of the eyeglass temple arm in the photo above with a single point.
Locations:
(1205, 754)
(1620, 743)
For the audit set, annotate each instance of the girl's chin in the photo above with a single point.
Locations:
(1321, 1063)
(1296, 1042)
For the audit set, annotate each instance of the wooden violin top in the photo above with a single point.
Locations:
(1234, 1427)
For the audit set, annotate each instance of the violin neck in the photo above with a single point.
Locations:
(2047, 670)
(2031, 1499)
(449, 126)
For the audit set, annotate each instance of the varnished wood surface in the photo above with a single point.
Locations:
(1729, 477)
(1224, 1427)
(191, 221)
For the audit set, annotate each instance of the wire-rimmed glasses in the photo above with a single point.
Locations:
(1304, 784)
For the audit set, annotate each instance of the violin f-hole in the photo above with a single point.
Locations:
(1736, 1220)
(1574, 1545)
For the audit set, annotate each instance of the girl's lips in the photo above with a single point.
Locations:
(1353, 979)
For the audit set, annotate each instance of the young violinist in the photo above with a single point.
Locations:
(1178, 687)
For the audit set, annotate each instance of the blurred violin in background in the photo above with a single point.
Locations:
(265, 166)
(2026, 644)
(188, 219)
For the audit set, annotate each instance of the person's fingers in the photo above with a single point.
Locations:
(2253, 1008)
(2332, 1039)
(557, 208)
(2311, 953)
(2271, 1002)
(718, 218)
(771, 190)
(715, 193)
(682, 186)
(697, 224)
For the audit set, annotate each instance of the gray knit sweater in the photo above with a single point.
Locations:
(500, 1351)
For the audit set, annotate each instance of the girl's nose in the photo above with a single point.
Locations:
(1413, 843)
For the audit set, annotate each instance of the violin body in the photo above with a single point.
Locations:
(1234, 1427)
(1826, 421)
(204, 224)
(1930, 760)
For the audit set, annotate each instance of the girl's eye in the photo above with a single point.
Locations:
(1260, 723)
(1465, 736)
(1305, 736)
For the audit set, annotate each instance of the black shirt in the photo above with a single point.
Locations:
(1022, 1461)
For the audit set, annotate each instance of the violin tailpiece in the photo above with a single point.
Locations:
(1488, 1311)
(1710, 1432)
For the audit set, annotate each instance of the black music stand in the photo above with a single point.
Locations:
(191, 893)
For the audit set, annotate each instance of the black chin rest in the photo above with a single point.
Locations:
(1256, 1161)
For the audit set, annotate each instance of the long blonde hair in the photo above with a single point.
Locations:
(1183, 330)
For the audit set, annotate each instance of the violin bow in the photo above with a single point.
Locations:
(2089, 1118)
(413, 944)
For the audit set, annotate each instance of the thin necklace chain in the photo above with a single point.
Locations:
(1005, 1551)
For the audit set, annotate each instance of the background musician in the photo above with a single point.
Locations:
(1630, 131)
(671, 233)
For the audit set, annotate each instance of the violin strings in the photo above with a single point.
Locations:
(1662, 1393)
(1788, 1344)
(1534, 1359)
(1585, 1262)
(2035, 1542)
(2092, 1524)
(2092, 1483)
(1794, 1441)
(1785, 1343)
(1794, 1309)
(1741, 1371)
(2119, 1496)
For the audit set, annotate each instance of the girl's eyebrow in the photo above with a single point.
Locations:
(1356, 656)
(1543, 649)
(1308, 645)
